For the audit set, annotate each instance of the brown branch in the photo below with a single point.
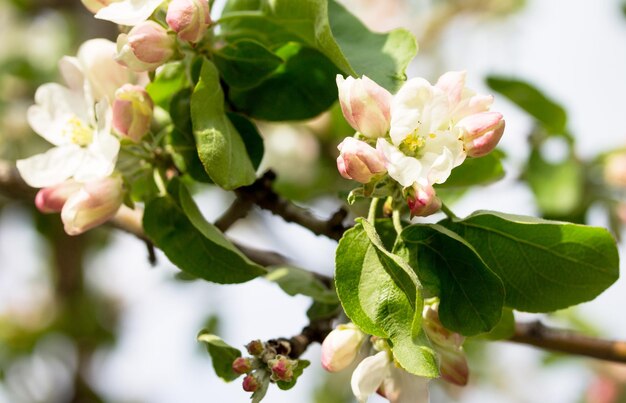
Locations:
(238, 210)
(566, 341)
(295, 346)
(262, 194)
(533, 333)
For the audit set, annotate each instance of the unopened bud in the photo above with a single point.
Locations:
(146, 47)
(365, 105)
(282, 368)
(422, 201)
(189, 18)
(358, 160)
(481, 132)
(132, 112)
(52, 199)
(341, 347)
(242, 365)
(95, 203)
(250, 383)
(255, 347)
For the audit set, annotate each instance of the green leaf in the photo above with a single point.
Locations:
(319, 310)
(246, 63)
(505, 329)
(176, 226)
(222, 355)
(250, 136)
(297, 281)
(558, 187)
(181, 141)
(342, 38)
(373, 302)
(471, 294)
(220, 147)
(302, 88)
(547, 112)
(476, 171)
(171, 79)
(544, 265)
(302, 364)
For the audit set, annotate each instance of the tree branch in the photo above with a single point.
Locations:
(533, 333)
(566, 341)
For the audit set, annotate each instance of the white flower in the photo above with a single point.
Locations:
(128, 12)
(85, 148)
(378, 373)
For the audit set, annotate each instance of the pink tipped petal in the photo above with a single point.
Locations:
(52, 199)
(341, 347)
(453, 84)
(359, 161)
(190, 19)
(365, 105)
(423, 201)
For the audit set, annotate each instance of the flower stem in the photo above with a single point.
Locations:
(397, 222)
(371, 216)
(448, 212)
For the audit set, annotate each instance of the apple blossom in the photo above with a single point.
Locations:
(481, 132)
(51, 199)
(189, 18)
(132, 112)
(146, 47)
(358, 160)
(341, 347)
(379, 373)
(128, 12)
(422, 201)
(93, 204)
(365, 105)
(85, 149)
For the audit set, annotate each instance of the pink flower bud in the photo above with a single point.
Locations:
(250, 383)
(95, 5)
(282, 368)
(146, 47)
(132, 112)
(615, 170)
(95, 203)
(423, 201)
(242, 365)
(481, 132)
(255, 347)
(365, 105)
(448, 344)
(189, 18)
(52, 199)
(341, 347)
(358, 160)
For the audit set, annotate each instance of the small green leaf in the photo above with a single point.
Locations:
(297, 281)
(476, 171)
(221, 354)
(176, 226)
(505, 329)
(220, 147)
(246, 63)
(547, 112)
(250, 136)
(471, 294)
(302, 364)
(544, 265)
(170, 80)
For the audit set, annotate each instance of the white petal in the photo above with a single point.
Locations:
(369, 375)
(51, 167)
(72, 73)
(405, 170)
(55, 104)
(128, 12)
(403, 387)
(407, 108)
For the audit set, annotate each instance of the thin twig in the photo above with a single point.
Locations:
(237, 210)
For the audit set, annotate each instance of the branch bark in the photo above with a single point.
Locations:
(533, 333)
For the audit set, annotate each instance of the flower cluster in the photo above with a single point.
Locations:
(415, 137)
(377, 372)
(77, 176)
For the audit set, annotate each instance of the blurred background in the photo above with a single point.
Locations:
(89, 319)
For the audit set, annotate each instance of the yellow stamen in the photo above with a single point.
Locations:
(78, 132)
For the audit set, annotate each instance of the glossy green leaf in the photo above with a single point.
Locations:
(547, 112)
(373, 302)
(220, 147)
(246, 63)
(297, 281)
(544, 265)
(222, 355)
(505, 329)
(476, 171)
(302, 88)
(170, 80)
(471, 294)
(251, 137)
(176, 226)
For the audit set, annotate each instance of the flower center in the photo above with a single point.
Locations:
(78, 132)
(412, 143)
